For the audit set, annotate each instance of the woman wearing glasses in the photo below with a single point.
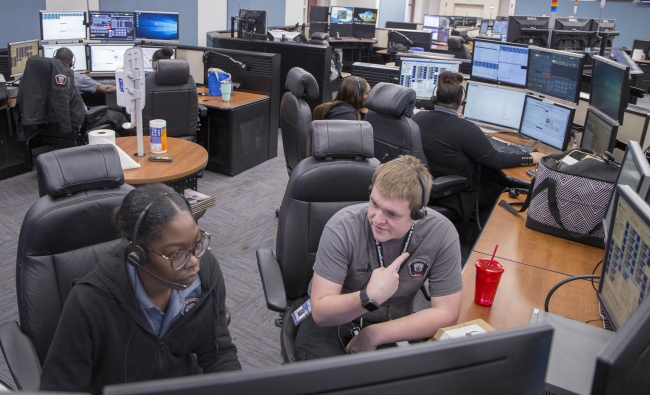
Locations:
(153, 308)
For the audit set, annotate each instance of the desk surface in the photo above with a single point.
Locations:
(237, 99)
(334, 40)
(189, 158)
(519, 173)
(434, 48)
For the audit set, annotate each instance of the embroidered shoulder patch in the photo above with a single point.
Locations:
(189, 303)
(60, 79)
(418, 267)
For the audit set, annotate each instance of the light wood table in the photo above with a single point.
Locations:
(189, 159)
(518, 174)
(237, 98)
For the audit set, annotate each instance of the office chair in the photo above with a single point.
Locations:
(319, 38)
(171, 95)
(61, 236)
(342, 159)
(457, 47)
(50, 110)
(295, 115)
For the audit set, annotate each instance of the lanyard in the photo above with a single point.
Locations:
(380, 256)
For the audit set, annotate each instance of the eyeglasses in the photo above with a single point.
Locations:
(179, 258)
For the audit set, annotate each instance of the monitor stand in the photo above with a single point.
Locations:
(574, 349)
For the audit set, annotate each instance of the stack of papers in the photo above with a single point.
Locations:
(198, 201)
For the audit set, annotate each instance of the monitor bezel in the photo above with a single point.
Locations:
(135, 25)
(641, 209)
(424, 59)
(625, 92)
(111, 39)
(518, 90)
(567, 131)
(15, 43)
(576, 97)
(354, 13)
(598, 114)
(40, 20)
(90, 55)
(497, 82)
(76, 61)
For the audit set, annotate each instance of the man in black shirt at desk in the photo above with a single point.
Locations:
(455, 146)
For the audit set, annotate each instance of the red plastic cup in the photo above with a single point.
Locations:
(488, 276)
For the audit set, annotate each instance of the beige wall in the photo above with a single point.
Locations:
(211, 17)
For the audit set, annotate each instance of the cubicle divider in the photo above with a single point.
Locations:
(315, 59)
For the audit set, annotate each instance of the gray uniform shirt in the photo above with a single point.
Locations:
(347, 255)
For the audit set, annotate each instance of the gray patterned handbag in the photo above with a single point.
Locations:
(570, 195)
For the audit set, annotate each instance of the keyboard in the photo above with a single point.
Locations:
(510, 148)
(107, 82)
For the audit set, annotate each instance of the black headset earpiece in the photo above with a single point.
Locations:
(420, 212)
(136, 255)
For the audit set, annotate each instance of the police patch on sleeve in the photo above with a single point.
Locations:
(60, 79)
(418, 268)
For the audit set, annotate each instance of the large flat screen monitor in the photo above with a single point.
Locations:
(501, 63)
(411, 38)
(147, 53)
(111, 26)
(495, 105)
(401, 25)
(599, 132)
(500, 27)
(643, 45)
(547, 122)
(341, 14)
(532, 30)
(365, 15)
(626, 267)
(438, 26)
(421, 75)
(155, 25)
(610, 87)
(605, 25)
(318, 13)
(19, 52)
(555, 73)
(78, 50)
(509, 361)
(252, 24)
(105, 58)
(634, 172)
(63, 25)
(572, 33)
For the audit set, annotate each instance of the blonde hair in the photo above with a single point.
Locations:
(396, 179)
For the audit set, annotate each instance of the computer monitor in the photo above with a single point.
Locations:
(78, 50)
(572, 33)
(547, 122)
(318, 13)
(421, 75)
(147, 53)
(365, 15)
(63, 25)
(634, 172)
(411, 38)
(605, 25)
(111, 26)
(485, 24)
(106, 58)
(157, 25)
(500, 27)
(499, 62)
(19, 52)
(610, 87)
(496, 105)
(339, 30)
(438, 26)
(509, 361)
(341, 14)
(401, 25)
(555, 73)
(626, 266)
(599, 132)
(252, 24)
(362, 30)
(643, 45)
(624, 362)
(532, 30)
(573, 24)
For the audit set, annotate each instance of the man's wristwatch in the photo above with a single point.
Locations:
(368, 304)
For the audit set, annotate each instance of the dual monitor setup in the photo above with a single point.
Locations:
(343, 22)
(499, 28)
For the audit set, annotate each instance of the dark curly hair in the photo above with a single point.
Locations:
(450, 91)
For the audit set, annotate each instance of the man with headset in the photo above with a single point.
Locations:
(85, 84)
(372, 260)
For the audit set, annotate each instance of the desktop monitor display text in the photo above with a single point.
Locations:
(147, 53)
(106, 58)
(493, 104)
(63, 25)
(438, 26)
(421, 75)
(18, 53)
(156, 25)
(500, 27)
(78, 50)
(111, 26)
(547, 122)
(499, 62)
(555, 73)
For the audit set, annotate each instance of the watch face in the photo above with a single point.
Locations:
(370, 305)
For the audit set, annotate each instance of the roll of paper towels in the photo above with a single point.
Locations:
(99, 136)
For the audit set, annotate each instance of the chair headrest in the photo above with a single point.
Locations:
(391, 99)
(341, 139)
(300, 82)
(455, 42)
(70, 170)
(319, 38)
(172, 71)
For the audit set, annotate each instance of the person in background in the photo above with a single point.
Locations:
(166, 52)
(456, 146)
(349, 103)
(154, 307)
(85, 84)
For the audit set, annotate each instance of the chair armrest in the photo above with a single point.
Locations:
(21, 357)
(446, 185)
(272, 282)
(203, 111)
(94, 111)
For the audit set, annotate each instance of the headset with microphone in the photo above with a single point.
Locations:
(137, 256)
(434, 99)
(359, 93)
(420, 212)
(74, 58)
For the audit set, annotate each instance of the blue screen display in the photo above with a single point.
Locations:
(156, 26)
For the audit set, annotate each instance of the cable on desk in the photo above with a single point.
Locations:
(561, 283)
(594, 272)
